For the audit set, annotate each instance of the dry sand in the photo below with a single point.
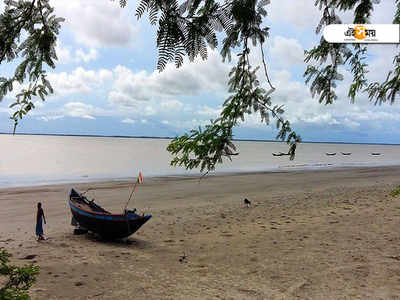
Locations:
(330, 234)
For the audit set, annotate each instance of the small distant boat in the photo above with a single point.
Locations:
(330, 153)
(91, 216)
(346, 153)
(280, 154)
(375, 153)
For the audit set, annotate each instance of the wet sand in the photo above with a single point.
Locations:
(331, 234)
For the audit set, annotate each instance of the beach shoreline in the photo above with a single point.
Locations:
(317, 234)
(198, 175)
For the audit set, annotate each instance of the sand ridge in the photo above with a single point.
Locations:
(329, 234)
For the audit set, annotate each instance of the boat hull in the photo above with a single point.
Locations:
(107, 225)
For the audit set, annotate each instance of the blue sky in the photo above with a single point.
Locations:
(106, 82)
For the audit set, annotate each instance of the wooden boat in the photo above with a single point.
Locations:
(330, 154)
(94, 218)
(280, 154)
(375, 153)
(346, 153)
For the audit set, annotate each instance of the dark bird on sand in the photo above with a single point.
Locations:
(182, 259)
(247, 202)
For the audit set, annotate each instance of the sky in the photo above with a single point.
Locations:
(106, 82)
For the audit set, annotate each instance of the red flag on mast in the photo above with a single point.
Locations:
(140, 178)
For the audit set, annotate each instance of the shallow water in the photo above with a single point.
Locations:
(35, 159)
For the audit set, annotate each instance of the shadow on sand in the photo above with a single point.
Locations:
(129, 242)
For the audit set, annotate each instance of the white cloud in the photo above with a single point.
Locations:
(149, 110)
(171, 105)
(50, 118)
(86, 57)
(301, 108)
(66, 55)
(128, 121)
(192, 79)
(351, 124)
(370, 115)
(38, 104)
(63, 54)
(187, 123)
(122, 99)
(75, 109)
(5, 110)
(381, 62)
(148, 94)
(303, 15)
(299, 13)
(383, 12)
(163, 109)
(208, 111)
(79, 110)
(80, 81)
(321, 118)
(97, 23)
(140, 93)
(286, 52)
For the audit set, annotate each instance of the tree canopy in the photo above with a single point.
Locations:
(29, 30)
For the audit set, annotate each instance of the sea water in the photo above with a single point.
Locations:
(40, 159)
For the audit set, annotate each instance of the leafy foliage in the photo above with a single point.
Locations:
(35, 20)
(323, 77)
(187, 29)
(20, 279)
(207, 148)
(184, 29)
(395, 192)
(358, 69)
(390, 88)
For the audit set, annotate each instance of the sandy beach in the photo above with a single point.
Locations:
(330, 234)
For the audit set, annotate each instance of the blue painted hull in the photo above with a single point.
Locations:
(94, 218)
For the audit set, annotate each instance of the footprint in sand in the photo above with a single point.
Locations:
(254, 259)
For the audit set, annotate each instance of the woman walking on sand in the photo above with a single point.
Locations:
(39, 222)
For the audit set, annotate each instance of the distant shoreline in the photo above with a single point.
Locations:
(170, 138)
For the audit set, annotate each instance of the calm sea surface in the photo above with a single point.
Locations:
(31, 160)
